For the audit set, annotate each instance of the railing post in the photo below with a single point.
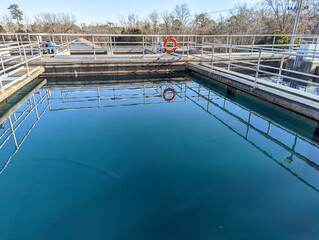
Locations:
(26, 61)
(19, 47)
(252, 46)
(111, 44)
(183, 45)
(202, 46)
(1, 86)
(281, 65)
(229, 56)
(143, 38)
(2, 63)
(213, 52)
(61, 39)
(69, 42)
(257, 70)
(273, 42)
(187, 46)
(39, 46)
(31, 48)
(227, 40)
(93, 47)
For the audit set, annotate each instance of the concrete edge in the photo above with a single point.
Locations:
(17, 86)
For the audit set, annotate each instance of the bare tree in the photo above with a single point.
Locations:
(202, 24)
(8, 24)
(168, 19)
(182, 15)
(52, 22)
(133, 21)
(154, 19)
(279, 13)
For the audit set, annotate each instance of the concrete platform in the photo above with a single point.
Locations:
(21, 83)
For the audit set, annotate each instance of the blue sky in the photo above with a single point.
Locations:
(106, 10)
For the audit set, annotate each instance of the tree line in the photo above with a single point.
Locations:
(265, 17)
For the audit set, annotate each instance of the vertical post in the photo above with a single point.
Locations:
(227, 43)
(54, 50)
(281, 65)
(257, 70)
(252, 46)
(213, 52)
(183, 45)
(26, 61)
(187, 46)
(68, 41)
(93, 47)
(314, 52)
(273, 42)
(229, 57)
(294, 31)
(39, 46)
(30, 44)
(19, 47)
(2, 63)
(202, 45)
(21, 39)
(143, 38)
(61, 40)
(1, 86)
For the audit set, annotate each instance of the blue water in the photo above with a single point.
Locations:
(117, 161)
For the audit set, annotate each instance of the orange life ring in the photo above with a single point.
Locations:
(169, 90)
(170, 39)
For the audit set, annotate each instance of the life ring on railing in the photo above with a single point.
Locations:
(170, 39)
(169, 90)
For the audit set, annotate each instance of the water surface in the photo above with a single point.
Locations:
(116, 161)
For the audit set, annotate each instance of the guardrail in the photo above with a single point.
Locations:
(112, 43)
(286, 74)
(14, 58)
(229, 55)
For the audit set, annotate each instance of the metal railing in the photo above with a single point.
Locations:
(253, 64)
(234, 53)
(113, 43)
(15, 57)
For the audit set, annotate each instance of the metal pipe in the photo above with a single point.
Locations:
(299, 9)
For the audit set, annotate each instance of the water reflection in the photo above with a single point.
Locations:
(19, 118)
(264, 134)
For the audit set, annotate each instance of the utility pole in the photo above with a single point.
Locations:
(299, 9)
